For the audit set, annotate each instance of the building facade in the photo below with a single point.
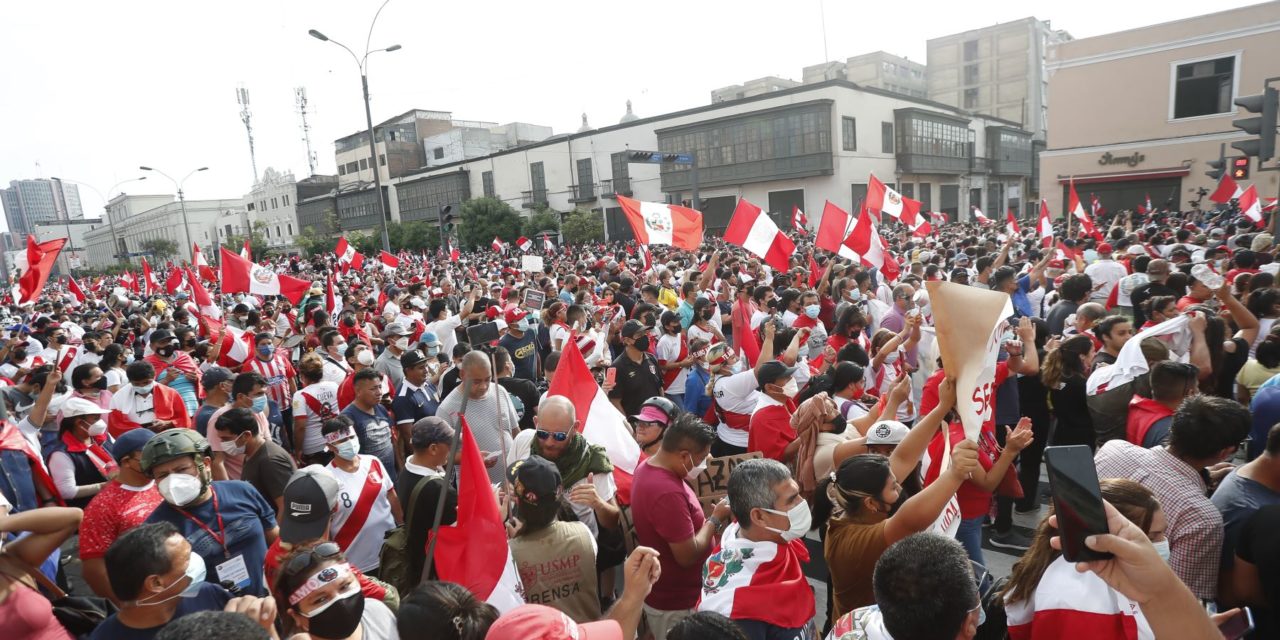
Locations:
(272, 206)
(31, 202)
(467, 140)
(135, 220)
(752, 88)
(879, 70)
(1169, 91)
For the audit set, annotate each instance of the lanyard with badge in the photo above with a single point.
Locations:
(234, 569)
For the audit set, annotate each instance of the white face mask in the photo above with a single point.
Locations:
(180, 489)
(229, 447)
(402, 344)
(791, 388)
(891, 358)
(365, 358)
(692, 474)
(98, 428)
(800, 519)
(340, 348)
(348, 449)
(1162, 549)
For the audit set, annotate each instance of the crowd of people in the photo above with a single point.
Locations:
(266, 467)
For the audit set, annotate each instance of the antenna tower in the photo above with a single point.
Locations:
(300, 95)
(246, 116)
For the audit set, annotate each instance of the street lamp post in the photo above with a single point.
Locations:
(362, 64)
(182, 201)
(106, 210)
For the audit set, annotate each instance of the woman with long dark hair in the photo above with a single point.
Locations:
(1064, 372)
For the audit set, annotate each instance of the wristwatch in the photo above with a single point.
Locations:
(716, 523)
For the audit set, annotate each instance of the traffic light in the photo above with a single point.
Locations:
(446, 218)
(643, 156)
(1267, 104)
(1216, 168)
(1240, 168)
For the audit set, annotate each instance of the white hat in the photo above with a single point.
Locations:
(887, 432)
(81, 407)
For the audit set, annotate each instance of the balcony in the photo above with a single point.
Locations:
(615, 187)
(533, 199)
(923, 163)
(1011, 151)
(979, 165)
(583, 193)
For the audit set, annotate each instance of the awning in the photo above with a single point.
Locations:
(1125, 176)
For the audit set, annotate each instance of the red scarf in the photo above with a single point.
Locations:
(11, 440)
(102, 461)
(183, 363)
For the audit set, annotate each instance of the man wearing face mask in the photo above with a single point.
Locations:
(637, 370)
(368, 506)
(770, 432)
(668, 518)
(266, 465)
(359, 357)
(415, 399)
(755, 578)
(143, 403)
(126, 502)
(333, 349)
(78, 462)
(810, 310)
(228, 523)
(273, 365)
(388, 363)
(174, 368)
(521, 342)
(444, 324)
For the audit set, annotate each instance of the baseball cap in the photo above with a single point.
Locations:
(131, 441)
(959, 272)
(428, 431)
(772, 371)
(651, 414)
(887, 432)
(412, 358)
(514, 315)
(395, 329)
(540, 622)
(429, 339)
(309, 498)
(534, 480)
(160, 335)
(216, 376)
(74, 407)
(1104, 248)
(631, 328)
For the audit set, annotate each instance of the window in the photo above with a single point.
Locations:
(264, 206)
(278, 232)
(486, 184)
(438, 153)
(1204, 87)
(950, 194)
(290, 228)
(849, 133)
(342, 169)
(228, 233)
(971, 50)
(538, 179)
(586, 181)
(859, 192)
(382, 159)
(352, 167)
(971, 74)
(286, 199)
(908, 189)
(275, 203)
(970, 98)
(251, 206)
(926, 196)
(364, 163)
(886, 137)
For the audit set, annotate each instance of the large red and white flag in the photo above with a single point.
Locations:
(799, 221)
(1250, 205)
(1011, 223)
(237, 344)
(332, 302)
(474, 551)
(246, 251)
(498, 246)
(202, 265)
(753, 230)
(1227, 190)
(75, 289)
(865, 239)
(978, 215)
(344, 251)
(239, 275)
(882, 199)
(1045, 226)
(833, 229)
(524, 243)
(204, 301)
(149, 285)
(548, 244)
(669, 224)
(1077, 209)
(389, 261)
(177, 281)
(598, 420)
(128, 281)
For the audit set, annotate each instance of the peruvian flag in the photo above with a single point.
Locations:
(882, 199)
(204, 301)
(669, 224)
(922, 229)
(239, 275)
(548, 245)
(389, 261)
(799, 221)
(202, 266)
(175, 282)
(149, 285)
(75, 289)
(1250, 205)
(524, 243)
(1269, 204)
(357, 261)
(939, 217)
(453, 252)
(979, 215)
(128, 281)
(332, 303)
(1011, 223)
(474, 551)
(1045, 226)
(1145, 207)
(246, 252)
(751, 229)
(1077, 210)
(1063, 252)
(1095, 206)
(865, 239)
(344, 251)
(1227, 190)
(598, 420)
(237, 344)
(498, 246)
(647, 258)
(832, 231)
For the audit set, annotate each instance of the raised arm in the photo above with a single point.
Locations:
(908, 452)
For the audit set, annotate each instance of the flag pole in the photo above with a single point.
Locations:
(450, 475)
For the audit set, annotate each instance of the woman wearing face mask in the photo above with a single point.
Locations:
(319, 594)
(372, 508)
(704, 325)
(78, 463)
(112, 365)
(90, 383)
(890, 359)
(1044, 590)
(854, 503)
(555, 318)
(771, 432)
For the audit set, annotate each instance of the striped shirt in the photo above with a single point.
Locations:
(278, 371)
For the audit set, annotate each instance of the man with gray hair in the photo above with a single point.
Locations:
(489, 411)
(755, 578)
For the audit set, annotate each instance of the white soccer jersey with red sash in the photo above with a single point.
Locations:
(1070, 604)
(746, 580)
(364, 512)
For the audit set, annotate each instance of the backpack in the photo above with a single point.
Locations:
(395, 560)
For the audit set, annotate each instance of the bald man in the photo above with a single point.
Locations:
(585, 471)
(489, 411)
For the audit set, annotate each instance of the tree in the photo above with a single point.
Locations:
(413, 236)
(583, 226)
(318, 241)
(543, 219)
(160, 248)
(257, 241)
(484, 218)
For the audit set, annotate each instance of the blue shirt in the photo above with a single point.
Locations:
(374, 432)
(1265, 407)
(210, 598)
(202, 419)
(411, 405)
(1238, 499)
(696, 400)
(187, 390)
(1021, 303)
(246, 517)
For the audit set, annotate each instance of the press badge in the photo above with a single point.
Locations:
(234, 571)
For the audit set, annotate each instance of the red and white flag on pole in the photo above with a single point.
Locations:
(1077, 210)
(646, 258)
(177, 281)
(669, 224)
(978, 215)
(498, 246)
(204, 301)
(524, 243)
(882, 199)
(344, 251)
(202, 265)
(237, 344)
(239, 275)
(75, 289)
(1145, 208)
(128, 281)
(1095, 206)
(389, 261)
(753, 230)
(1045, 225)
(1227, 190)
(1251, 206)
(865, 239)
(833, 229)
(332, 303)
(149, 285)
(453, 251)
(474, 552)
(548, 245)
(1011, 223)
(799, 221)
(598, 420)
(246, 252)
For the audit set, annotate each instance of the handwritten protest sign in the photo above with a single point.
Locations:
(961, 315)
(531, 263)
(713, 484)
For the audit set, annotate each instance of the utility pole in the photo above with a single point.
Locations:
(300, 94)
(246, 116)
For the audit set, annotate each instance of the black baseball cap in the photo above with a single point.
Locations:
(412, 358)
(534, 480)
(309, 499)
(773, 371)
(631, 328)
(215, 376)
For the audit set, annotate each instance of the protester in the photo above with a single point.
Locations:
(320, 595)
(368, 504)
(126, 502)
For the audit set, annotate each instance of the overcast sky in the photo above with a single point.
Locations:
(94, 89)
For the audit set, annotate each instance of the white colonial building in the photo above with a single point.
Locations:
(133, 220)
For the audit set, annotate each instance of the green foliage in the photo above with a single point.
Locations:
(542, 220)
(484, 218)
(257, 241)
(583, 226)
(160, 248)
(315, 241)
(414, 236)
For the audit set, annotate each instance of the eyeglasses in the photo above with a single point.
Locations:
(304, 559)
(558, 436)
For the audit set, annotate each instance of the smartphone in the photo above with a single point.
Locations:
(1077, 500)
(611, 375)
(1238, 625)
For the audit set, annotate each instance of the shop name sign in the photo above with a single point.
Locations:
(1132, 160)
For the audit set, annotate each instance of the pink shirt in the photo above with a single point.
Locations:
(665, 510)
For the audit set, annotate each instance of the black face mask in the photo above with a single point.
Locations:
(166, 350)
(350, 322)
(675, 328)
(839, 424)
(101, 384)
(60, 339)
(642, 343)
(340, 619)
(708, 314)
(19, 355)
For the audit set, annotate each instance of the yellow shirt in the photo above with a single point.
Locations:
(668, 299)
(1253, 374)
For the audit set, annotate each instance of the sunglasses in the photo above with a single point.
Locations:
(559, 436)
(304, 559)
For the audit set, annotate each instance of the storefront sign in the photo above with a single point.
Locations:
(1132, 160)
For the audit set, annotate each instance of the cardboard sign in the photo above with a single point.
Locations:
(713, 484)
(967, 321)
(531, 263)
(534, 299)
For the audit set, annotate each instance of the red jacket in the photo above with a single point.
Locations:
(1143, 412)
